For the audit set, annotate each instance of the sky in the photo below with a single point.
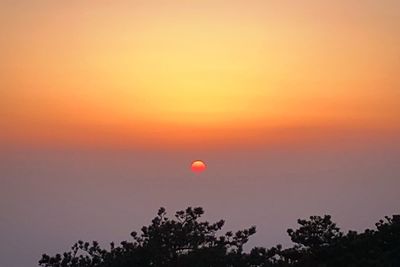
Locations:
(294, 106)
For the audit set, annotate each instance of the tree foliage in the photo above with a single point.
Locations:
(185, 241)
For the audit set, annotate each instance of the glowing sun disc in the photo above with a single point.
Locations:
(198, 166)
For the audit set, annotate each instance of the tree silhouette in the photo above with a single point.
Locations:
(185, 241)
(182, 241)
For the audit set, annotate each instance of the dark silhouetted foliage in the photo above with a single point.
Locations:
(184, 241)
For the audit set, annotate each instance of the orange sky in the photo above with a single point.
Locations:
(294, 105)
(184, 72)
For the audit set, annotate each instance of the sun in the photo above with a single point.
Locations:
(198, 166)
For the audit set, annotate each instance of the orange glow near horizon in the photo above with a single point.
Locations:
(155, 73)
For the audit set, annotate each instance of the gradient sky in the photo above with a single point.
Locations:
(294, 105)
